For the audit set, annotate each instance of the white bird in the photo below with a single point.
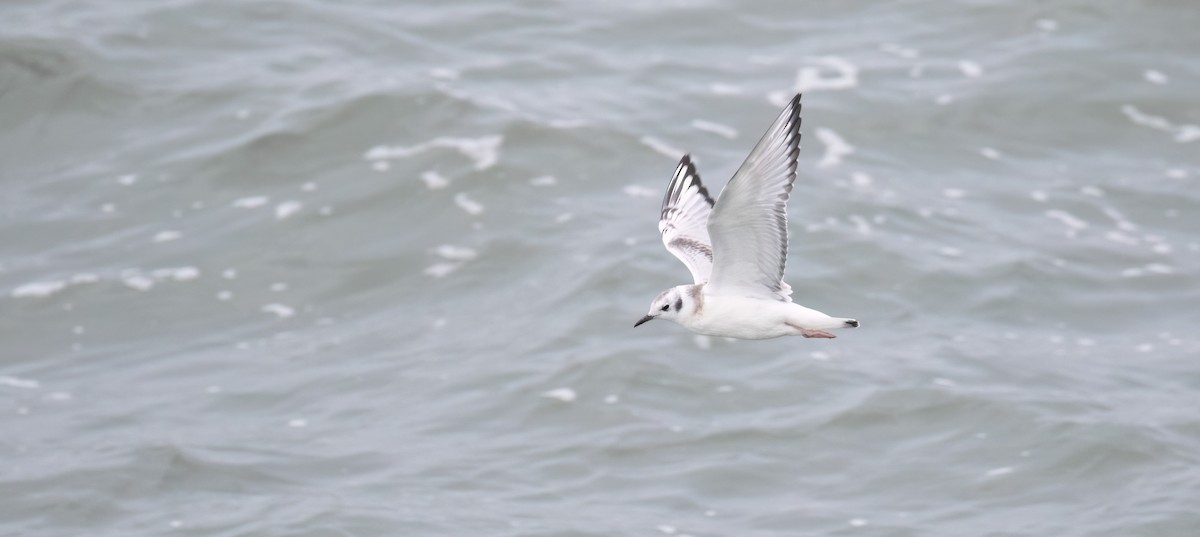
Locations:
(736, 246)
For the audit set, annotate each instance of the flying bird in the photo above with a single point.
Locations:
(736, 246)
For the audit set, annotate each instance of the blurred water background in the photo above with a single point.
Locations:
(371, 268)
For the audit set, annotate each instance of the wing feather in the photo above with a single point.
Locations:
(749, 222)
(684, 220)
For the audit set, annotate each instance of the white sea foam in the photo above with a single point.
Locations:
(84, 277)
(860, 224)
(138, 281)
(250, 202)
(279, 310)
(809, 78)
(567, 123)
(1121, 238)
(970, 69)
(565, 395)
(1046, 25)
(1187, 133)
(902, 52)
(661, 147)
(456, 253)
(287, 208)
(861, 180)
(544, 180)
(484, 151)
(39, 289)
(990, 153)
(434, 180)
(724, 89)
(128, 179)
(954, 193)
(1183, 133)
(278, 287)
(444, 73)
(1144, 119)
(716, 128)
(1152, 268)
(836, 147)
(1155, 77)
(167, 236)
(1122, 223)
(472, 207)
(1067, 219)
(996, 472)
(639, 191)
(179, 274)
(16, 382)
(441, 270)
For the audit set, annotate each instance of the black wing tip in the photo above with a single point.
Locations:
(688, 168)
(700, 184)
(794, 107)
(794, 149)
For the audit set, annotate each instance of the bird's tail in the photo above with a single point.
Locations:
(809, 318)
(829, 323)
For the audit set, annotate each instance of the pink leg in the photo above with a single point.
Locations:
(806, 332)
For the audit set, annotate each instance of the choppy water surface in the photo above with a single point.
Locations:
(318, 268)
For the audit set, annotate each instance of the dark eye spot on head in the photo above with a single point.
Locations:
(666, 307)
(678, 304)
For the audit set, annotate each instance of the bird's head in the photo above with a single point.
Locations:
(669, 305)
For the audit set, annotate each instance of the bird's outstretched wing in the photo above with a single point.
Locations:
(749, 222)
(684, 220)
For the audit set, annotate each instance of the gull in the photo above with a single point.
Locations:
(736, 246)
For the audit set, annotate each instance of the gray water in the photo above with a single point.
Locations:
(325, 268)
